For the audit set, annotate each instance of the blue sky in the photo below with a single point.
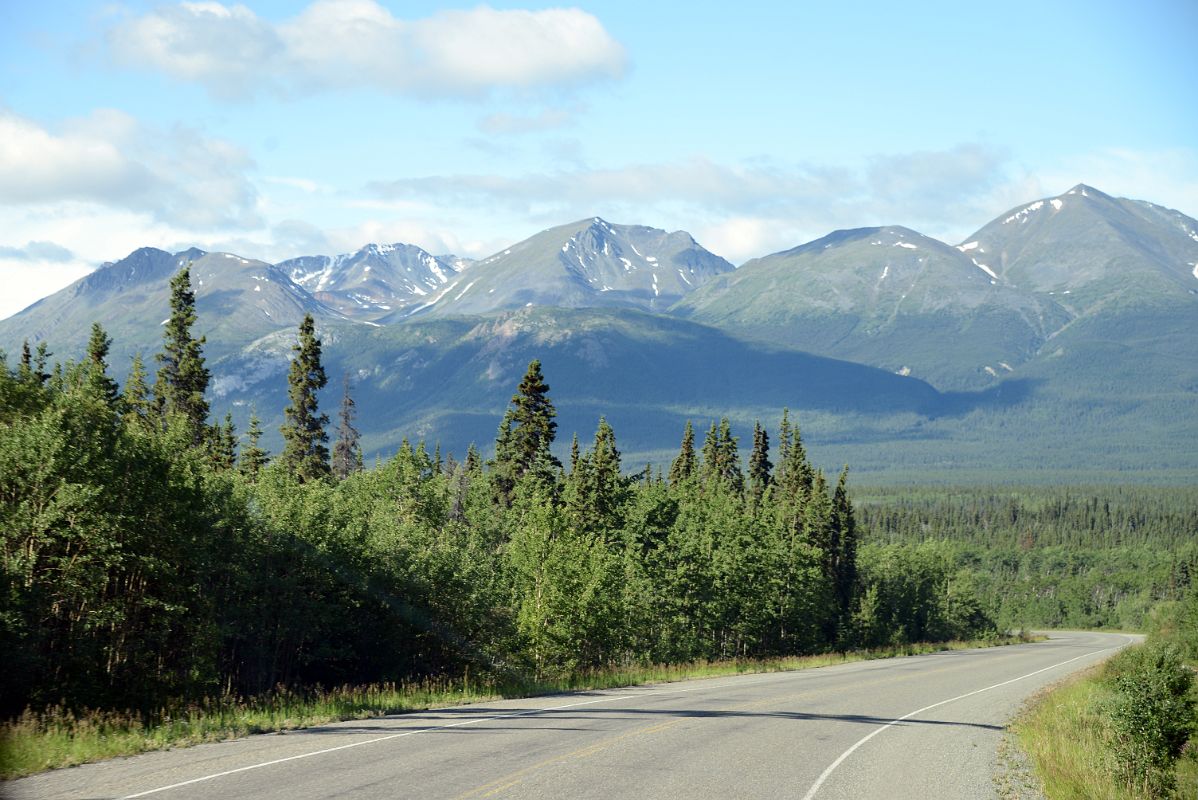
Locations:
(276, 129)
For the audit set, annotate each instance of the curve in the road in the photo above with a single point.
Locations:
(780, 734)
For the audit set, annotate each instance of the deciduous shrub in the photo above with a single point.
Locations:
(1151, 714)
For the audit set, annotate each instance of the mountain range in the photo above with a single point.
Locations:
(1055, 341)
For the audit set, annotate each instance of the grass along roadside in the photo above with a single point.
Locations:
(1070, 734)
(35, 742)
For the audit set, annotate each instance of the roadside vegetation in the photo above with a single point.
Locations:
(1129, 727)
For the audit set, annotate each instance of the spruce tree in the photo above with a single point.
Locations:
(97, 366)
(533, 428)
(759, 464)
(304, 452)
(595, 491)
(727, 466)
(795, 473)
(182, 377)
(41, 357)
(605, 486)
(503, 472)
(844, 526)
(683, 466)
(347, 455)
(25, 371)
(224, 444)
(135, 398)
(783, 442)
(474, 462)
(252, 457)
(710, 468)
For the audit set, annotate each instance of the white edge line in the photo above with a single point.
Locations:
(368, 741)
(434, 728)
(815, 787)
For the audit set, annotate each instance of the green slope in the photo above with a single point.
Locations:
(889, 297)
(449, 380)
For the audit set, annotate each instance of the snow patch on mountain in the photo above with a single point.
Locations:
(1022, 216)
(984, 269)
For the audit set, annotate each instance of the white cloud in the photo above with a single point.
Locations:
(741, 238)
(37, 251)
(26, 279)
(176, 176)
(745, 210)
(349, 43)
(741, 210)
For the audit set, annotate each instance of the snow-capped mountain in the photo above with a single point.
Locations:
(377, 281)
(237, 301)
(890, 297)
(1085, 248)
(586, 264)
(1061, 326)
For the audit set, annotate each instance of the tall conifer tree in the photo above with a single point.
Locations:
(97, 362)
(304, 452)
(182, 377)
(224, 444)
(844, 525)
(41, 358)
(683, 466)
(252, 457)
(727, 466)
(533, 426)
(25, 371)
(135, 398)
(759, 464)
(347, 454)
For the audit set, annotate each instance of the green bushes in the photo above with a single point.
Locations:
(1151, 714)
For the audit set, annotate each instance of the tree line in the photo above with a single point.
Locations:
(152, 557)
(1083, 557)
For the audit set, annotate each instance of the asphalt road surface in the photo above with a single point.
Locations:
(921, 727)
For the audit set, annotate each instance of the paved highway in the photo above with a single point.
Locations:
(921, 727)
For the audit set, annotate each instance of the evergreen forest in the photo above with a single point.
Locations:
(153, 556)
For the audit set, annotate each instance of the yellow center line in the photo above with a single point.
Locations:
(513, 778)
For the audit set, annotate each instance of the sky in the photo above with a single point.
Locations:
(279, 129)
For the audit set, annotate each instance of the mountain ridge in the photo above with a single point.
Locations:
(1053, 372)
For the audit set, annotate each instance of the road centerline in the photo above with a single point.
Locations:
(819, 782)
